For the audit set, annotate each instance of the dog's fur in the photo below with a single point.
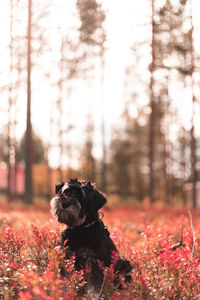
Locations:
(76, 204)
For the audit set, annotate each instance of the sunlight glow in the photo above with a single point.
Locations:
(125, 26)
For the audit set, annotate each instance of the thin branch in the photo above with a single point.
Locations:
(181, 240)
(102, 286)
(179, 244)
(193, 233)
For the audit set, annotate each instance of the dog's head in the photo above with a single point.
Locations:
(76, 202)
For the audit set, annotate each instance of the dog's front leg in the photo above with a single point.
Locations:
(94, 278)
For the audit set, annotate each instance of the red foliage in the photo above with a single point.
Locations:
(163, 266)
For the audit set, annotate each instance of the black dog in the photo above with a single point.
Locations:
(76, 204)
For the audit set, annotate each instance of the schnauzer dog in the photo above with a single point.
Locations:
(76, 204)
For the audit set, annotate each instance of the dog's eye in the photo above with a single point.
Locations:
(68, 193)
(73, 193)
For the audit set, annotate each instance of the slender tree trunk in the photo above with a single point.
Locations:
(49, 176)
(166, 148)
(103, 165)
(10, 103)
(152, 115)
(28, 144)
(17, 87)
(60, 110)
(90, 167)
(49, 169)
(183, 165)
(8, 154)
(193, 167)
(192, 131)
(165, 170)
(14, 171)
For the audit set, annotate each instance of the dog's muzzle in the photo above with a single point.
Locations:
(67, 210)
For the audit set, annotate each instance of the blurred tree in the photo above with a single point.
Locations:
(28, 138)
(3, 148)
(59, 104)
(104, 154)
(129, 163)
(152, 68)
(69, 68)
(192, 130)
(184, 148)
(103, 122)
(170, 47)
(162, 21)
(166, 145)
(38, 151)
(182, 45)
(49, 182)
(13, 77)
(139, 157)
(91, 17)
(92, 38)
(88, 160)
(9, 159)
(19, 48)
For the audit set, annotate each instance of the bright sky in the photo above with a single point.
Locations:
(124, 26)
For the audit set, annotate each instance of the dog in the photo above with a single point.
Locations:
(76, 204)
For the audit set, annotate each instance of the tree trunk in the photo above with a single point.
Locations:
(89, 164)
(152, 115)
(193, 167)
(192, 131)
(17, 89)
(10, 103)
(60, 110)
(28, 144)
(103, 164)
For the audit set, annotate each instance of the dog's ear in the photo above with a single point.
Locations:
(96, 198)
(58, 187)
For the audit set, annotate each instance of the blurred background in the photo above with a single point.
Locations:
(107, 91)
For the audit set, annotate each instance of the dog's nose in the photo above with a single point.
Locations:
(65, 204)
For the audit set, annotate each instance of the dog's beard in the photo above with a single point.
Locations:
(69, 216)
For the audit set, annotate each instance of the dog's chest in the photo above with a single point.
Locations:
(93, 236)
(95, 239)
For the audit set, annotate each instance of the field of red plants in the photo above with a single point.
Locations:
(162, 245)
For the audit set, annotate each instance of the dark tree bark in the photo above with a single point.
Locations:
(17, 88)
(9, 109)
(103, 133)
(192, 131)
(90, 164)
(28, 144)
(103, 165)
(152, 115)
(10, 103)
(60, 110)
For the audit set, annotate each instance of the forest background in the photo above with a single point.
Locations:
(104, 91)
